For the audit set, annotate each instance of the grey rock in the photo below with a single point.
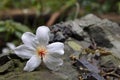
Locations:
(37, 75)
(61, 32)
(67, 69)
(112, 27)
(88, 20)
(111, 31)
(51, 37)
(75, 46)
(77, 31)
(105, 32)
(59, 37)
(100, 37)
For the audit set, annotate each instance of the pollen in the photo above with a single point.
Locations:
(42, 52)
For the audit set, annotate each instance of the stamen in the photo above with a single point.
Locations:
(42, 52)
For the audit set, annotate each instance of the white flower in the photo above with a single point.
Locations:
(36, 49)
(9, 49)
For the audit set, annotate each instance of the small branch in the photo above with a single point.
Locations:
(77, 10)
(56, 14)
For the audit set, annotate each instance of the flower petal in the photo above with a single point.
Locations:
(52, 63)
(24, 52)
(42, 35)
(32, 63)
(5, 51)
(56, 49)
(11, 45)
(28, 39)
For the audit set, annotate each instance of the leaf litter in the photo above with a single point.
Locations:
(90, 65)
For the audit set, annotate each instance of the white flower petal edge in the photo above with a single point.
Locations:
(24, 52)
(28, 39)
(56, 49)
(52, 63)
(32, 63)
(42, 34)
(5, 51)
(11, 45)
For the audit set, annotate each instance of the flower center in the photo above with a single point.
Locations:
(42, 52)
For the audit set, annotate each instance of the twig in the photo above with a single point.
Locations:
(56, 14)
(77, 10)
